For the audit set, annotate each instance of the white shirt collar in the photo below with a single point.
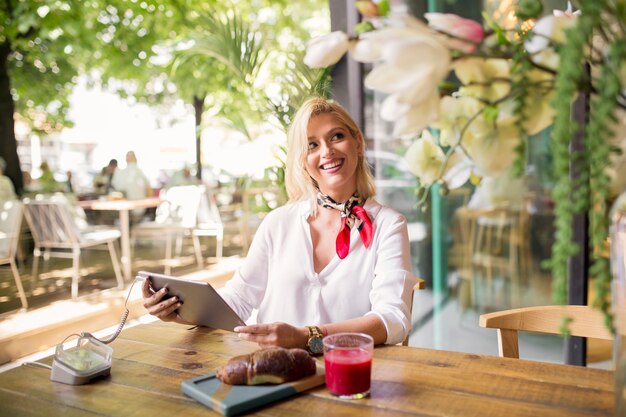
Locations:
(371, 206)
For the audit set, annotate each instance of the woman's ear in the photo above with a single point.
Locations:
(360, 147)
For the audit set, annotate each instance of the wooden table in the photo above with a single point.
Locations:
(123, 207)
(151, 360)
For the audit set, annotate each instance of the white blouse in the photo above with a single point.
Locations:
(279, 280)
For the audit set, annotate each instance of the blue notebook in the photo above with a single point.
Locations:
(231, 400)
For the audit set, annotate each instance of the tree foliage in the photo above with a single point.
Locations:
(130, 45)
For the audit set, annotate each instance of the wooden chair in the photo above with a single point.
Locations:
(57, 233)
(175, 216)
(10, 226)
(420, 285)
(585, 322)
(209, 223)
(494, 242)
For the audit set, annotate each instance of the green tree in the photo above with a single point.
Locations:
(36, 70)
(225, 44)
(46, 44)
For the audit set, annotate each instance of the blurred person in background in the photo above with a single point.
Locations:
(27, 179)
(69, 184)
(46, 183)
(103, 182)
(132, 182)
(7, 190)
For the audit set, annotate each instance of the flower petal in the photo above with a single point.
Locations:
(458, 171)
(424, 159)
(366, 50)
(494, 152)
(418, 117)
(415, 62)
(392, 109)
(326, 50)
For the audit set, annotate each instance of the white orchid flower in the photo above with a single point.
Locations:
(326, 50)
(424, 158)
(541, 116)
(370, 46)
(416, 62)
(458, 170)
(492, 147)
(539, 113)
(412, 67)
(454, 111)
(549, 30)
(487, 79)
(567, 12)
(418, 117)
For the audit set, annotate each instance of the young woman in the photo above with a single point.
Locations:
(332, 259)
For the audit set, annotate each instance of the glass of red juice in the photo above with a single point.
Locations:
(348, 362)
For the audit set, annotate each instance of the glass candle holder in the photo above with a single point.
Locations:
(348, 362)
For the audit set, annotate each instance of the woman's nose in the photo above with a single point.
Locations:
(327, 151)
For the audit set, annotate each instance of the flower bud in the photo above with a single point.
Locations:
(466, 34)
(528, 9)
(367, 8)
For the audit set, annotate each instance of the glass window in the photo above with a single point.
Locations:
(480, 248)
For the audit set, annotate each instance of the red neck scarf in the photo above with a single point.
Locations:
(352, 213)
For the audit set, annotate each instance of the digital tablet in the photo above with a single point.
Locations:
(202, 305)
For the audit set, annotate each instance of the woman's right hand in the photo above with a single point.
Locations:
(156, 306)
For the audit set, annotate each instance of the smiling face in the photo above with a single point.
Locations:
(333, 154)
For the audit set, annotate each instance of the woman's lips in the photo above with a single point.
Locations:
(332, 166)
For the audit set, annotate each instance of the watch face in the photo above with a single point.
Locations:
(316, 345)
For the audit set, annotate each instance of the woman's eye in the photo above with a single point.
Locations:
(312, 145)
(338, 136)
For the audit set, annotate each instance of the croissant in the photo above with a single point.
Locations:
(267, 366)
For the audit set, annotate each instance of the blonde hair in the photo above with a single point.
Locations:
(299, 183)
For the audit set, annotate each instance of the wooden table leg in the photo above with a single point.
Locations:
(125, 243)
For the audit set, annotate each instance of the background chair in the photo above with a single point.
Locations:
(10, 227)
(584, 321)
(209, 223)
(57, 233)
(176, 215)
(494, 242)
(420, 285)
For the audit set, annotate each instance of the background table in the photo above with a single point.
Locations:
(151, 360)
(123, 207)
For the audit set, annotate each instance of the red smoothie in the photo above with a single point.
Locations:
(348, 371)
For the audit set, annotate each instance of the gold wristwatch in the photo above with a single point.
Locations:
(314, 345)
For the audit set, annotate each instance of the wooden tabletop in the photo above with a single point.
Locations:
(118, 205)
(151, 361)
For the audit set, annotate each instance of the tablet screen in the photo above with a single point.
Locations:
(202, 305)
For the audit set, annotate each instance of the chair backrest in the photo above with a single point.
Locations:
(10, 225)
(51, 223)
(180, 205)
(419, 285)
(583, 321)
(208, 213)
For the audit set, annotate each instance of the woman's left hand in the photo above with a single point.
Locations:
(274, 334)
